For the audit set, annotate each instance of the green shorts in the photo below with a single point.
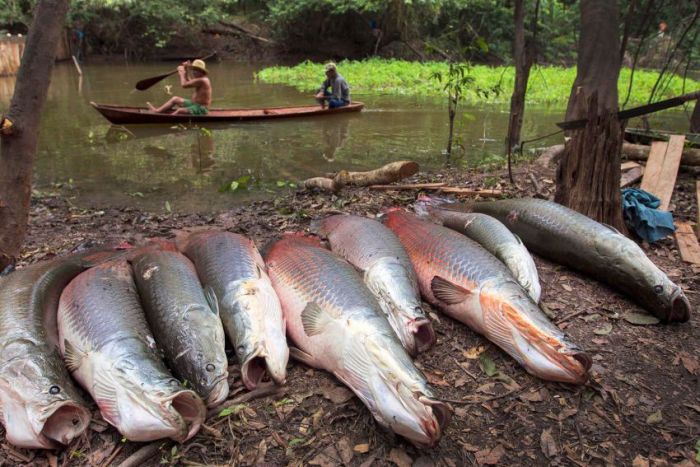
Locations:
(194, 108)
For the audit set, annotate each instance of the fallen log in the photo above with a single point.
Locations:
(631, 173)
(441, 188)
(389, 173)
(636, 152)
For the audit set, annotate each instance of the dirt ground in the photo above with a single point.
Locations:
(641, 406)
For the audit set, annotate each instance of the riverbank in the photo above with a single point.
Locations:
(642, 401)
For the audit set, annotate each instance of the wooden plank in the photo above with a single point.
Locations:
(631, 173)
(687, 243)
(662, 169)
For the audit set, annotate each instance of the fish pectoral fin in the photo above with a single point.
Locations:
(303, 357)
(72, 356)
(314, 319)
(211, 299)
(106, 397)
(447, 292)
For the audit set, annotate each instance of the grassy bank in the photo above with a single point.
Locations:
(548, 85)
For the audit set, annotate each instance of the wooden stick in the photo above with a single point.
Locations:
(144, 453)
(409, 186)
(443, 189)
(257, 393)
(77, 65)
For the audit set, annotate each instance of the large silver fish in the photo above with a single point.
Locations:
(572, 239)
(387, 271)
(338, 326)
(490, 233)
(39, 404)
(184, 324)
(471, 285)
(233, 271)
(108, 348)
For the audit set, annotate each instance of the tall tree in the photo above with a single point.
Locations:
(523, 54)
(20, 127)
(588, 178)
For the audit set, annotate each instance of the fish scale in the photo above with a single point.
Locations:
(469, 284)
(337, 325)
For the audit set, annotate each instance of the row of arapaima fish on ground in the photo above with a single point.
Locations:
(109, 319)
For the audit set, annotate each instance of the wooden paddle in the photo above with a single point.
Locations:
(148, 82)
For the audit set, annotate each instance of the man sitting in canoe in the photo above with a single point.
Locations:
(201, 97)
(339, 94)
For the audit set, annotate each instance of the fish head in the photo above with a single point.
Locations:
(394, 285)
(654, 289)
(400, 398)
(145, 404)
(525, 272)
(516, 324)
(40, 407)
(260, 345)
(208, 353)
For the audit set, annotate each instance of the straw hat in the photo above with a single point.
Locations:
(330, 66)
(199, 65)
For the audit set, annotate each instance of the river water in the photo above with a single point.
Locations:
(186, 169)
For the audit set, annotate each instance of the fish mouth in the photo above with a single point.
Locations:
(680, 307)
(423, 335)
(435, 425)
(191, 409)
(67, 421)
(218, 392)
(257, 365)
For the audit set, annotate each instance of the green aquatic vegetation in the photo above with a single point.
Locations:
(549, 85)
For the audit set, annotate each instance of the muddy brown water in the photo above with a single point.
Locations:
(184, 169)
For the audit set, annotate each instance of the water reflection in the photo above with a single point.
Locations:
(202, 152)
(334, 134)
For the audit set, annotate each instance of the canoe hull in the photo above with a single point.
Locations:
(122, 115)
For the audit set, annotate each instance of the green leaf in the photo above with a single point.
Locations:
(168, 208)
(233, 410)
(640, 319)
(233, 186)
(281, 183)
(487, 365)
(697, 451)
(655, 418)
(295, 442)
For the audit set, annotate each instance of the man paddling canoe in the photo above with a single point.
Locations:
(339, 94)
(201, 97)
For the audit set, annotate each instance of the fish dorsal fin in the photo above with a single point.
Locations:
(314, 319)
(303, 357)
(612, 228)
(105, 395)
(447, 292)
(211, 299)
(72, 356)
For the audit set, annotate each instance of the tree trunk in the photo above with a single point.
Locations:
(18, 142)
(588, 178)
(523, 63)
(695, 118)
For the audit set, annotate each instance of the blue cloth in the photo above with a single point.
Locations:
(334, 102)
(641, 215)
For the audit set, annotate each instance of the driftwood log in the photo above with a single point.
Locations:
(636, 152)
(389, 173)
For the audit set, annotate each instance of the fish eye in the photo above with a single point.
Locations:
(210, 367)
(658, 288)
(54, 390)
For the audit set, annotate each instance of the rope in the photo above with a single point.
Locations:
(522, 143)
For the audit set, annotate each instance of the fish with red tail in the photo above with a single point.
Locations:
(471, 285)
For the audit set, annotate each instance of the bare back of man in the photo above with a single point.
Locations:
(201, 94)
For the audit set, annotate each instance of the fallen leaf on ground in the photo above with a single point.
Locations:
(603, 330)
(344, 450)
(487, 365)
(474, 352)
(640, 319)
(690, 363)
(361, 448)
(400, 458)
(490, 456)
(655, 418)
(547, 444)
(640, 461)
(327, 458)
(336, 394)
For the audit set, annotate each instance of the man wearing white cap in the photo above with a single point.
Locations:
(339, 93)
(201, 96)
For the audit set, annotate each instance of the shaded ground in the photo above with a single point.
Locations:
(641, 406)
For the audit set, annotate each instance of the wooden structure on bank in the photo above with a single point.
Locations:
(12, 48)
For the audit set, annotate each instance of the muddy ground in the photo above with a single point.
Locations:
(641, 406)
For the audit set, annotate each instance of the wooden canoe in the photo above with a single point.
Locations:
(123, 115)
(642, 136)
